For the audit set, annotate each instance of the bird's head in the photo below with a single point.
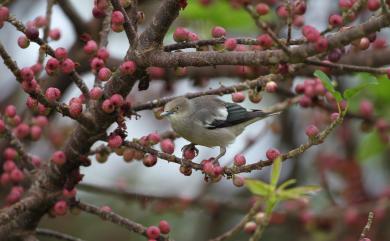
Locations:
(177, 107)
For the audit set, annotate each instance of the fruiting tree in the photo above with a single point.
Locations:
(326, 78)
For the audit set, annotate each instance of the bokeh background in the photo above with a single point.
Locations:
(353, 163)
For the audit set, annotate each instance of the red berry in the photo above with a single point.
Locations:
(149, 160)
(55, 34)
(250, 227)
(4, 13)
(107, 106)
(90, 47)
(153, 232)
(115, 141)
(265, 41)
(282, 12)
(345, 4)
(103, 54)
(272, 153)
(218, 32)
(322, 44)
(238, 97)
(23, 42)
(239, 160)
(262, 9)
(96, 64)
(238, 181)
(22, 131)
(305, 101)
(335, 20)
(167, 146)
(208, 168)
(189, 154)
(310, 33)
(60, 208)
(104, 74)
(61, 53)
(69, 194)
(36, 161)
(364, 43)
(67, 66)
(366, 108)
(127, 68)
(8, 166)
(32, 33)
(271, 87)
(10, 153)
(52, 94)
(193, 36)
(35, 132)
(312, 131)
(117, 17)
(117, 100)
(10, 111)
(230, 44)
(27, 74)
(95, 93)
(154, 138)
(58, 158)
(180, 34)
(52, 64)
(164, 227)
(75, 109)
(16, 175)
(373, 5)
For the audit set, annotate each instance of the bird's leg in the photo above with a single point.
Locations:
(190, 147)
(222, 152)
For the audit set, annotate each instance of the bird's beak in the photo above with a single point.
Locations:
(166, 113)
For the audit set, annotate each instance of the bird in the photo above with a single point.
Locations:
(209, 121)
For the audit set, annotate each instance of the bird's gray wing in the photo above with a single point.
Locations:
(213, 113)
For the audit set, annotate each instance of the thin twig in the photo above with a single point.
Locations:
(56, 234)
(349, 67)
(368, 225)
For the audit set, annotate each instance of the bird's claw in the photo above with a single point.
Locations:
(190, 147)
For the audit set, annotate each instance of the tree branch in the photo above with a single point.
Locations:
(56, 234)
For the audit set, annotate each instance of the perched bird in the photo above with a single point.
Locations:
(209, 121)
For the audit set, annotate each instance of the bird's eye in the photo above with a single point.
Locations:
(177, 108)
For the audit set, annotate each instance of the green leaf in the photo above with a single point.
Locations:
(287, 183)
(258, 187)
(275, 174)
(297, 192)
(370, 146)
(328, 84)
(368, 79)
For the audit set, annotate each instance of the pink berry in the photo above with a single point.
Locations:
(193, 36)
(312, 131)
(104, 74)
(31, 102)
(265, 41)
(310, 33)
(238, 181)
(345, 4)
(32, 33)
(103, 54)
(61, 53)
(250, 227)
(117, 17)
(149, 160)
(67, 66)
(35, 132)
(8, 166)
(5, 179)
(373, 5)
(271, 87)
(305, 101)
(153, 138)
(117, 28)
(322, 44)
(41, 121)
(90, 47)
(127, 68)
(4, 13)
(58, 158)
(2, 126)
(23, 42)
(164, 227)
(167, 146)
(115, 141)
(55, 34)
(208, 168)
(335, 20)
(52, 94)
(98, 13)
(117, 100)
(272, 153)
(10, 111)
(69, 193)
(75, 109)
(16, 175)
(262, 9)
(52, 64)
(239, 160)
(218, 32)
(156, 72)
(97, 64)
(27, 74)
(282, 12)
(60, 208)
(36, 161)
(95, 93)
(153, 232)
(238, 97)
(22, 131)
(107, 106)
(10, 153)
(189, 154)
(366, 108)
(180, 34)
(230, 44)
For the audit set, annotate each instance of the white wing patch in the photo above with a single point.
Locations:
(220, 114)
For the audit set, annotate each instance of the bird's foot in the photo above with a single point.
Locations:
(190, 147)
